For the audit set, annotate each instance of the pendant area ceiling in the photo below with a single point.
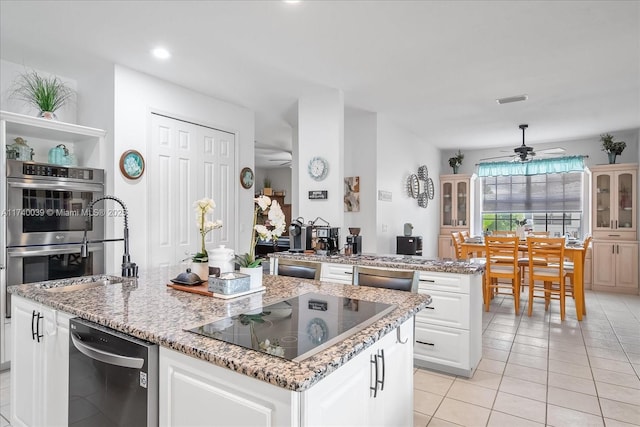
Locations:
(434, 68)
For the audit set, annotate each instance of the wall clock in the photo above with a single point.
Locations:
(317, 330)
(318, 168)
(246, 178)
(132, 164)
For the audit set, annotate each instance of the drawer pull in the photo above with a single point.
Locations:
(426, 343)
(399, 338)
(430, 308)
(348, 272)
(428, 280)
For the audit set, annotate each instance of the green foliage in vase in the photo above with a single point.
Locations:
(609, 146)
(44, 93)
(456, 160)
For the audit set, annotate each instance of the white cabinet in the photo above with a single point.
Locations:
(617, 266)
(455, 212)
(445, 247)
(352, 396)
(40, 364)
(448, 333)
(192, 390)
(337, 273)
(614, 195)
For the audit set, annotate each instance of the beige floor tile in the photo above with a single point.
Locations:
(608, 344)
(530, 350)
(564, 417)
(538, 342)
(631, 348)
(524, 388)
(425, 402)
(497, 344)
(4, 410)
(495, 354)
(611, 365)
(494, 366)
(568, 382)
(473, 394)
(633, 357)
(534, 333)
(568, 356)
(528, 360)
(568, 346)
(4, 422)
(483, 379)
(462, 413)
(616, 378)
(497, 335)
(433, 383)
(498, 327)
(499, 419)
(525, 373)
(605, 353)
(620, 411)
(519, 406)
(561, 367)
(437, 422)
(615, 423)
(420, 420)
(618, 393)
(573, 400)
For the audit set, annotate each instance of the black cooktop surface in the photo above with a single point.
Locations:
(298, 327)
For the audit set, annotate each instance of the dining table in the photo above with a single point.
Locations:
(574, 252)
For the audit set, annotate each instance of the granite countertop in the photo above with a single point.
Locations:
(408, 262)
(148, 309)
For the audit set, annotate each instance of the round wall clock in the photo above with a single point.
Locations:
(317, 331)
(132, 164)
(318, 168)
(246, 178)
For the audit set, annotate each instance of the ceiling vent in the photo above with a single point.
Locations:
(509, 99)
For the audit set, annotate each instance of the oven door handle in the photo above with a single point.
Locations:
(47, 250)
(56, 186)
(105, 356)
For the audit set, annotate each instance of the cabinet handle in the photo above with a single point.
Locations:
(348, 272)
(381, 357)
(374, 388)
(617, 249)
(426, 343)
(430, 308)
(38, 334)
(427, 280)
(613, 235)
(398, 338)
(33, 330)
(613, 249)
(616, 224)
(611, 225)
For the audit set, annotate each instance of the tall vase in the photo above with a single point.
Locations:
(255, 274)
(455, 169)
(612, 158)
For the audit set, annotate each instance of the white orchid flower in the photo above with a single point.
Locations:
(263, 202)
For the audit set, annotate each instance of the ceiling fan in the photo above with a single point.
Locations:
(525, 153)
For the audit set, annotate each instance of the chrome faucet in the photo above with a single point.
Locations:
(129, 269)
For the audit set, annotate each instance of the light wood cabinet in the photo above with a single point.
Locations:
(454, 210)
(40, 364)
(617, 266)
(614, 195)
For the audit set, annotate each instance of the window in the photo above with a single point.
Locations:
(549, 202)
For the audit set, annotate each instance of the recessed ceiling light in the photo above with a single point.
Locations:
(161, 53)
(291, 1)
(509, 99)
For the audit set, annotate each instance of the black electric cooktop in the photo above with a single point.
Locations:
(298, 327)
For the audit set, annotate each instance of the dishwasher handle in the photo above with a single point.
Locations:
(105, 356)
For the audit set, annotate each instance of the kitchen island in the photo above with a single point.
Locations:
(207, 381)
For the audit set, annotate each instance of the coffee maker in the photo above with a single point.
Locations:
(299, 236)
(354, 241)
(327, 240)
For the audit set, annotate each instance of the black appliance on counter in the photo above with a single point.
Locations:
(355, 243)
(299, 236)
(409, 245)
(327, 240)
(298, 327)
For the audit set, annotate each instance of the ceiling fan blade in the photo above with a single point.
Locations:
(555, 150)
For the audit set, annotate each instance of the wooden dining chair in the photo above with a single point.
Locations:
(569, 269)
(503, 233)
(539, 233)
(301, 269)
(457, 244)
(464, 235)
(501, 265)
(401, 280)
(546, 281)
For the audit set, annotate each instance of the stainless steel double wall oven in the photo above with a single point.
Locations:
(46, 218)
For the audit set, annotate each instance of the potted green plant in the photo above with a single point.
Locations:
(47, 94)
(612, 148)
(267, 190)
(456, 161)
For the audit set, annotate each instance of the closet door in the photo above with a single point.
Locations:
(188, 162)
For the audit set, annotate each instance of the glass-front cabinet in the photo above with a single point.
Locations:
(614, 201)
(454, 201)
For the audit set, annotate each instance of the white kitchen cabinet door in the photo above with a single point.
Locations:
(188, 162)
(337, 273)
(55, 360)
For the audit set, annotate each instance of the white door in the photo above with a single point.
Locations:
(188, 162)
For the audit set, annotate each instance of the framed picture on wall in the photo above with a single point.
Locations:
(132, 164)
(246, 178)
(352, 194)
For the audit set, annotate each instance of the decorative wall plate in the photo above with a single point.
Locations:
(132, 164)
(246, 178)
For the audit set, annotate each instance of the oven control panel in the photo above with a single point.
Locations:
(57, 171)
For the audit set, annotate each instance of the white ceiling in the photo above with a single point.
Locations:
(432, 67)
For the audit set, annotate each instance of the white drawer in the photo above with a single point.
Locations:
(438, 344)
(446, 309)
(340, 273)
(443, 282)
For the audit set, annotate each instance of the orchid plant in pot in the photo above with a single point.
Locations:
(204, 207)
(271, 230)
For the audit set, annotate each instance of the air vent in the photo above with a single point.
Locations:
(509, 99)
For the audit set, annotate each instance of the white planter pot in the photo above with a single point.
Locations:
(201, 269)
(256, 275)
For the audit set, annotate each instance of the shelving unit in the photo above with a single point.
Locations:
(454, 210)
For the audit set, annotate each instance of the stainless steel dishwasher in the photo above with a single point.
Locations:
(113, 377)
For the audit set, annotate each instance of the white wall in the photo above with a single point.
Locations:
(360, 140)
(136, 95)
(280, 180)
(400, 153)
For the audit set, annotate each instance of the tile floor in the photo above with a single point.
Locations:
(538, 371)
(534, 371)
